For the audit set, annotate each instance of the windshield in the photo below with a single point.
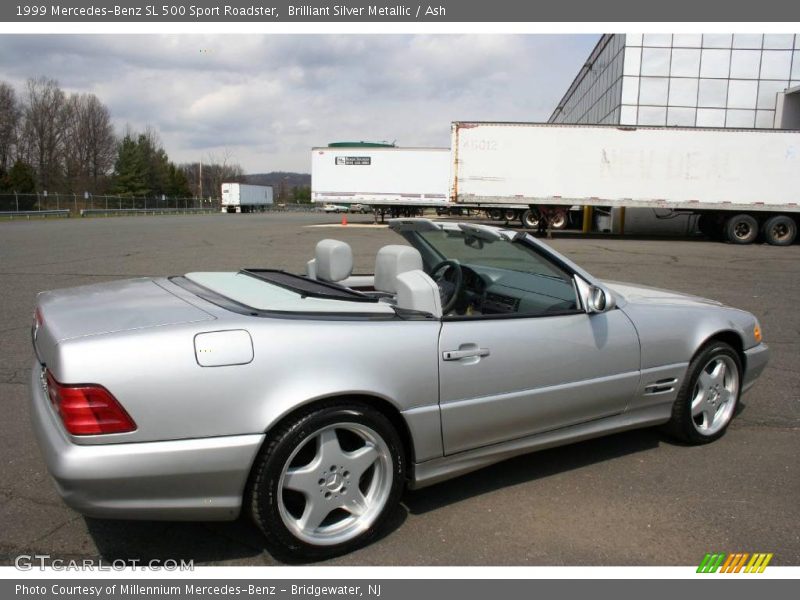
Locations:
(501, 254)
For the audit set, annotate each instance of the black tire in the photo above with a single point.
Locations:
(682, 424)
(741, 229)
(529, 219)
(558, 219)
(277, 450)
(495, 214)
(780, 230)
(510, 215)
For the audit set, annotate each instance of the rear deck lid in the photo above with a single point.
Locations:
(112, 307)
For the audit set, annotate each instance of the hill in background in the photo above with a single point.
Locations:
(286, 186)
(278, 178)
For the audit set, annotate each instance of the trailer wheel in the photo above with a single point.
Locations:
(780, 230)
(741, 229)
(558, 218)
(510, 215)
(495, 214)
(529, 219)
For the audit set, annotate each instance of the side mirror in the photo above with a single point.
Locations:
(599, 300)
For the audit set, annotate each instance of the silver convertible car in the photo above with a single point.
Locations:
(311, 401)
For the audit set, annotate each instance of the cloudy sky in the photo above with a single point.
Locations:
(267, 99)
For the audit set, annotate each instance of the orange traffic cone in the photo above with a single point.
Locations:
(344, 219)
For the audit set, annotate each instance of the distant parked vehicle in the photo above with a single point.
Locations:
(238, 198)
(360, 208)
(334, 208)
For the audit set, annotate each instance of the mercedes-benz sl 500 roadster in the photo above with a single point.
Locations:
(311, 401)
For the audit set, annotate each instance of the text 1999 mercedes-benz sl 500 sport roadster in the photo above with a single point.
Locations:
(311, 401)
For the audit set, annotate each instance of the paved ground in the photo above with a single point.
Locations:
(630, 499)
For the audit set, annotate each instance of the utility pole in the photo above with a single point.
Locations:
(200, 183)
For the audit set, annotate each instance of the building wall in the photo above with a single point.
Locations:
(594, 96)
(708, 80)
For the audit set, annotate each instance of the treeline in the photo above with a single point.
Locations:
(58, 142)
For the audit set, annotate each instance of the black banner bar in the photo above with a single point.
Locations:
(355, 11)
(732, 588)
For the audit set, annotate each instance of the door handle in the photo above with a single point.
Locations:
(469, 353)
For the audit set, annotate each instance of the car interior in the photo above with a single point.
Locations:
(408, 280)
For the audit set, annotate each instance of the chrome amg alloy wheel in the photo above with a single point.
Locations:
(707, 400)
(327, 479)
(715, 393)
(331, 491)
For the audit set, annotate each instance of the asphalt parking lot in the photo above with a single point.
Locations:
(631, 499)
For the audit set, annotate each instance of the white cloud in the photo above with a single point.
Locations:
(269, 99)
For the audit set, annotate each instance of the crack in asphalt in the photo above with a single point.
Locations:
(16, 377)
(56, 528)
(10, 495)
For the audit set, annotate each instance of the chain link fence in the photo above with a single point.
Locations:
(75, 203)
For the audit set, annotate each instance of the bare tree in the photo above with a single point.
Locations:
(44, 129)
(221, 169)
(9, 124)
(207, 180)
(90, 146)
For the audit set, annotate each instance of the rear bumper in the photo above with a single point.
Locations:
(756, 359)
(197, 479)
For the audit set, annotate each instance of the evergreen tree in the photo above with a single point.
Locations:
(21, 178)
(130, 169)
(178, 184)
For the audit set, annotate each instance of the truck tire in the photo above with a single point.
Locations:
(780, 230)
(741, 229)
(510, 215)
(529, 219)
(495, 214)
(558, 219)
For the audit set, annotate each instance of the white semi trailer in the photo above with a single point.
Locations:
(239, 197)
(385, 177)
(743, 183)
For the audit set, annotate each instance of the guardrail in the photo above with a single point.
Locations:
(64, 213)
(108, 212)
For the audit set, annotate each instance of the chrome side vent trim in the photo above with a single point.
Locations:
(662, 386)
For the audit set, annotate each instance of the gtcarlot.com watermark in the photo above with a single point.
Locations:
(29, 562)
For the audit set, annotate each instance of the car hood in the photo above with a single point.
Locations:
(640, 294)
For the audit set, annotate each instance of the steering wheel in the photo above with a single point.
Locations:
(450, 287)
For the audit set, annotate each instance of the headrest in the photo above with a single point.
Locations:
(390, 262)
(417, 291)
(333, 260)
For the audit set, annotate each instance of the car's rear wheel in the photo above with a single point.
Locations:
(707, 400)
(327, 480)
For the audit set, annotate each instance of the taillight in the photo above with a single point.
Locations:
(88, 409)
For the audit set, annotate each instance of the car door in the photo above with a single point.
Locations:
(507, 378)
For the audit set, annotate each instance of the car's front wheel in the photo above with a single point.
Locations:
(327, 480)
(707, 400)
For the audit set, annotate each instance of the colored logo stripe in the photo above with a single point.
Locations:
(711, 563)
(735, 562)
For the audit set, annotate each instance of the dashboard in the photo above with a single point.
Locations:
(492, 291)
